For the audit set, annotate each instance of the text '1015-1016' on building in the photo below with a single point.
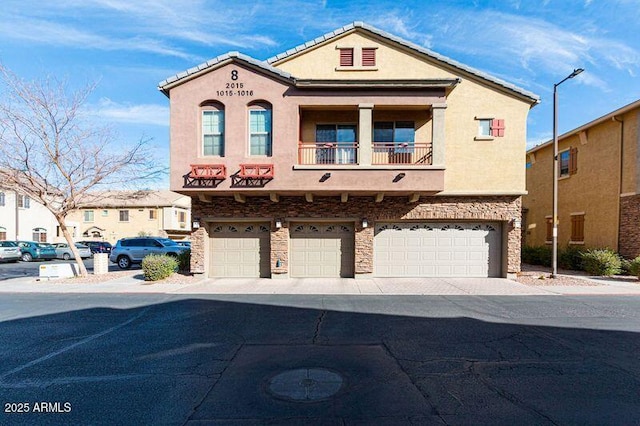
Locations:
(357, 154)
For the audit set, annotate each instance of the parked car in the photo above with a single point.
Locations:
(97, 246)
(32, 250)
(63, 251)
(9, 251)
(129, 251)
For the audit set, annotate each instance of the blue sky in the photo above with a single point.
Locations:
(131, 45)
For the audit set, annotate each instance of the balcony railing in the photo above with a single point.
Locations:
(327, 153)
(409, 153)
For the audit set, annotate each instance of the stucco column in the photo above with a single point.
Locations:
(365, 132)
(438, 135)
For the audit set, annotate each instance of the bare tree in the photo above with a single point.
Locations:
(51, 152)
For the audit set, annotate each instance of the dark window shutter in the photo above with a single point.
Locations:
(497, 127)
(346, 57)
(368, 57)
(573, 161)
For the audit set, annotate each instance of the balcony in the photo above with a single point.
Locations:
(327, 153)
(407, 153)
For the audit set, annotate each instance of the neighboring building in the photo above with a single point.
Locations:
(356, 154)
(120, 214)
(598, 185)
(22, 218)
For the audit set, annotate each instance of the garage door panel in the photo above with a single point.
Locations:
(239, 250)
(321, 250)
(438, 249)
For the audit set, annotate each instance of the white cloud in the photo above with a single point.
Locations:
(110, 111)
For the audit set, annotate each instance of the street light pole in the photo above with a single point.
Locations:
(554, 246)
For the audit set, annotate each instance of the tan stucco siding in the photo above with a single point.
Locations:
(594, 189)
(630, 166)
(391, 63)
(113, 228)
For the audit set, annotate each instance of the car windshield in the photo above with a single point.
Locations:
(167, 242)
(8, 244)
(44, 245)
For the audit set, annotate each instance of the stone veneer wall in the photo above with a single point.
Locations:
(492, 208)
(629, 231)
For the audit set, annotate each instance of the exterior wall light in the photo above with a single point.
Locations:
(517, 223)
(278, 223)
(365, 224)
(196, 224)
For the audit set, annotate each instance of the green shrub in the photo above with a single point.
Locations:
(540, 255)
(571, 258)
(184, 261)
(158, 266)
(603, 262)
(634, 267)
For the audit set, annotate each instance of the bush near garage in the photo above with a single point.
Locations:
(602, 262)
(633, 266)
(536, 255)
(159, 266)
(570, 257)
(184, 261)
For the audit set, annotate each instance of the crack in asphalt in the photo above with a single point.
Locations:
(316, 334)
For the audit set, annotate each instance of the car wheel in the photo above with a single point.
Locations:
(26, 257)
(66, 256)
(124, 262)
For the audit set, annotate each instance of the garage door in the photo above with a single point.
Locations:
(321, 250)
(438, 250)
(239, 250)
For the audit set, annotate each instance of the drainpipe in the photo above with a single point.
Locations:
(17, 216)
(616, 119)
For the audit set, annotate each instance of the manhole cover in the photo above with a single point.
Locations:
(306, 384)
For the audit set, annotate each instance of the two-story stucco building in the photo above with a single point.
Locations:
(598, 185)
(356, 154)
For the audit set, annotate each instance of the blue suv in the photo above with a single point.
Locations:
(129, 251)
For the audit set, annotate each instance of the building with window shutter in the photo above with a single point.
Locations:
(598, 185)
(356, 154)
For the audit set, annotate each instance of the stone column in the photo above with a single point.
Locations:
(438, 134)
(364, 251)
(365, 133)
(280, 251)
(199, 250)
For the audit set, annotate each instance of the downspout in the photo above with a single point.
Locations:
(616, 119)
(17, 216)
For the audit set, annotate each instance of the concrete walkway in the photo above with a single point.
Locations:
(327, 286)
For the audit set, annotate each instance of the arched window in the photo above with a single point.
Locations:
(40, 235)
(212, 128)
(260, 128)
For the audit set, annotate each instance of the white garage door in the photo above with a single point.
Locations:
(438, 250)
(239, 250)
(321, 250)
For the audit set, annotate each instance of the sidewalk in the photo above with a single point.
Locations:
(134, 283)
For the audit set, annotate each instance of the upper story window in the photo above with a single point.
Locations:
(124, 215)
(346, 57)
(489, 128)
(368, 57)
(484, 127)
(568, 162)
(260, 129)
(2, 199)
(356, 58)
(399, 135)
(88, 215)
(336, 143)
(23, 201)
(153, 214)
(105, 213)
(213, 129)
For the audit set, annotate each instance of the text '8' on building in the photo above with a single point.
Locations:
(357, 154)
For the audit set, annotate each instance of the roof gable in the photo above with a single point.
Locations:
(432, 56)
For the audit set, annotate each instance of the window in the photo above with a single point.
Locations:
(489, 128)
(568, 162)
(182, 217)
(3, 234)
(213, 132)
(105, 213)
(40, 235)
(153, 214)
(336, 143)
(23, 201)
(2, 199)
(577, 228)
(260, 131)
(88, 215)
(397, 136)
(368, 57)
(124, 215)
(346, 57)
(484, 128)
(549, 236)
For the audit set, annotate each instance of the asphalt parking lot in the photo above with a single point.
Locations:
(274, 359)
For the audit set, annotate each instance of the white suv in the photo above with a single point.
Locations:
(129, 251)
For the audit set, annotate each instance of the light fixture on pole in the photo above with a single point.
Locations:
(554, 245)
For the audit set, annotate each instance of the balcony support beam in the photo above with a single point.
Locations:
(204, 198)
(438, 135)
(239, 198)
(365, 133)
(344, 197)
(274, 197)
(309, 197)
(379, 197)
(413, 198)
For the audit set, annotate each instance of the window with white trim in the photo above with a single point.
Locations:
(2, 200)
(88, 215)
(213, 130)
(39, 235)
(123, 215)
(23, 201)
(260, 129)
